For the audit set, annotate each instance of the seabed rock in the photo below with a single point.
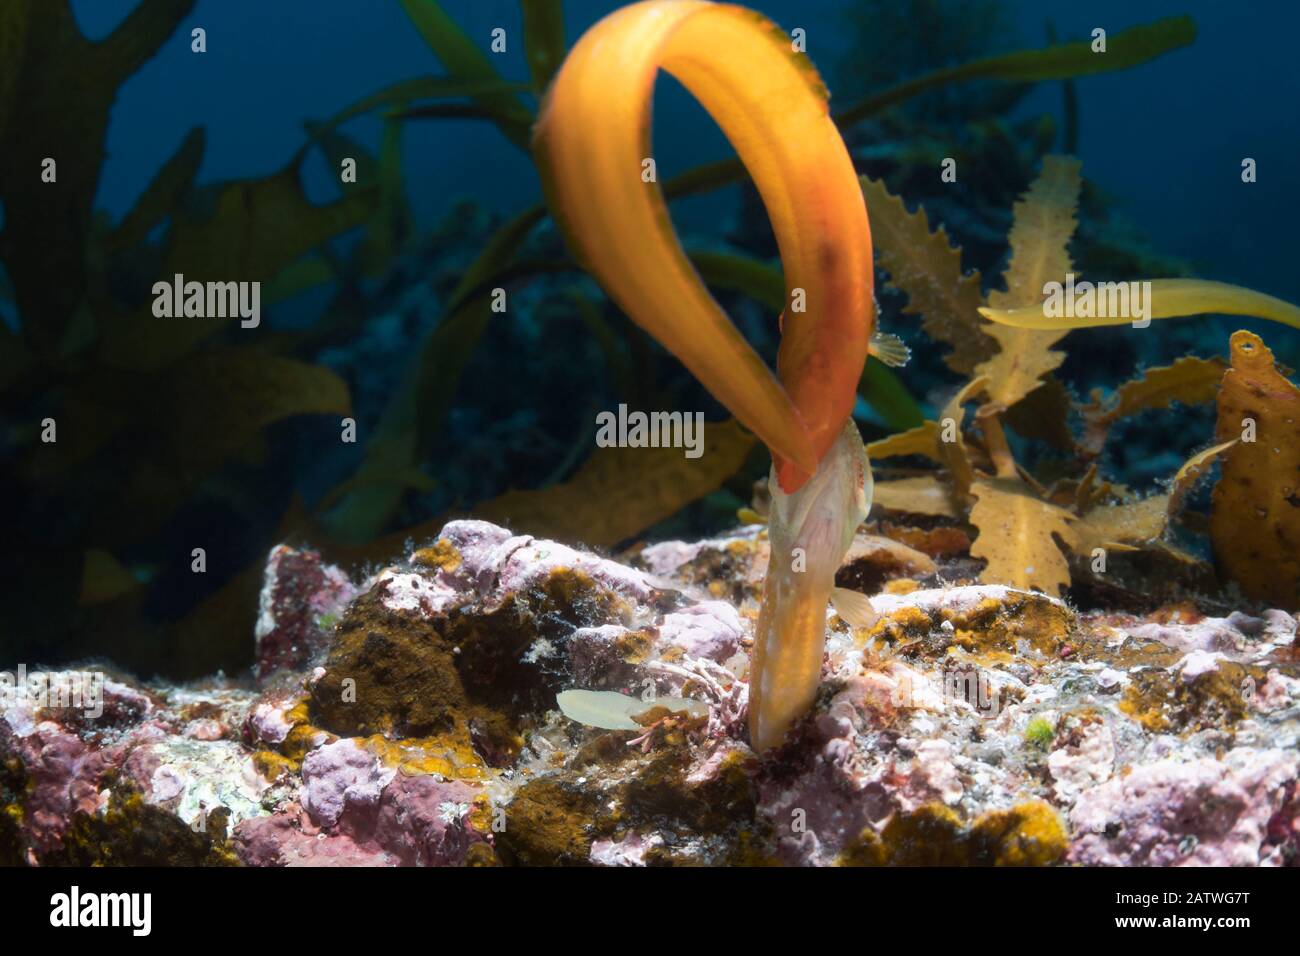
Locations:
(411, 719)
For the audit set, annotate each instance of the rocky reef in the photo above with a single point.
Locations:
(411, 719)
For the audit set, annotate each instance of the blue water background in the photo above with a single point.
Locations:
(1165, 140)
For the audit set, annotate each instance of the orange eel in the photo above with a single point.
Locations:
(592, 145)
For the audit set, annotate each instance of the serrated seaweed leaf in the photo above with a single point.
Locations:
(1125, 525)
(921, 440)
(258, 228)
(927, 267)
(1017, 536)
(619, 492)
(923, 495)
(928, 440)
(1190, 380)
(954, 452)
(228, 394)
(1044, 223)
(1044, 415)
(1119, 527)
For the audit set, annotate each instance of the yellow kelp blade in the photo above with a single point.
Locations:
(592, 145)
(1169, 298)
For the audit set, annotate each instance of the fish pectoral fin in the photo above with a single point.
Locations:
(854, 606)
(890, 349)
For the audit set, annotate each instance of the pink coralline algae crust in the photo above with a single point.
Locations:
(629, 851)
(300, 593)
(711, 629)
(408, 821)
(269, 721)
(1202, 813)
(426, 822)
(289, 838)
(1156, 740)
(496, 562)
(491, 564)
(341, 776)
(64, 775)
(1234, 637)
(816, 812)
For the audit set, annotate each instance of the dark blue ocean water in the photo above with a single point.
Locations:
(1166, 140)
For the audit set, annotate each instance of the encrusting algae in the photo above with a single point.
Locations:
(1029, 834)
(959, 729)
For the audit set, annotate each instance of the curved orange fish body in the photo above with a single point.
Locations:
(592, 143)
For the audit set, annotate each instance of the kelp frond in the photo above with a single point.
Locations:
(1026, 531)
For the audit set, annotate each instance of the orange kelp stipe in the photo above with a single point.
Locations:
(592, 144)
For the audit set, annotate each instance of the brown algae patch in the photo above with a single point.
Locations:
(1027, 834)
(1162, 701)
(1018, 624)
